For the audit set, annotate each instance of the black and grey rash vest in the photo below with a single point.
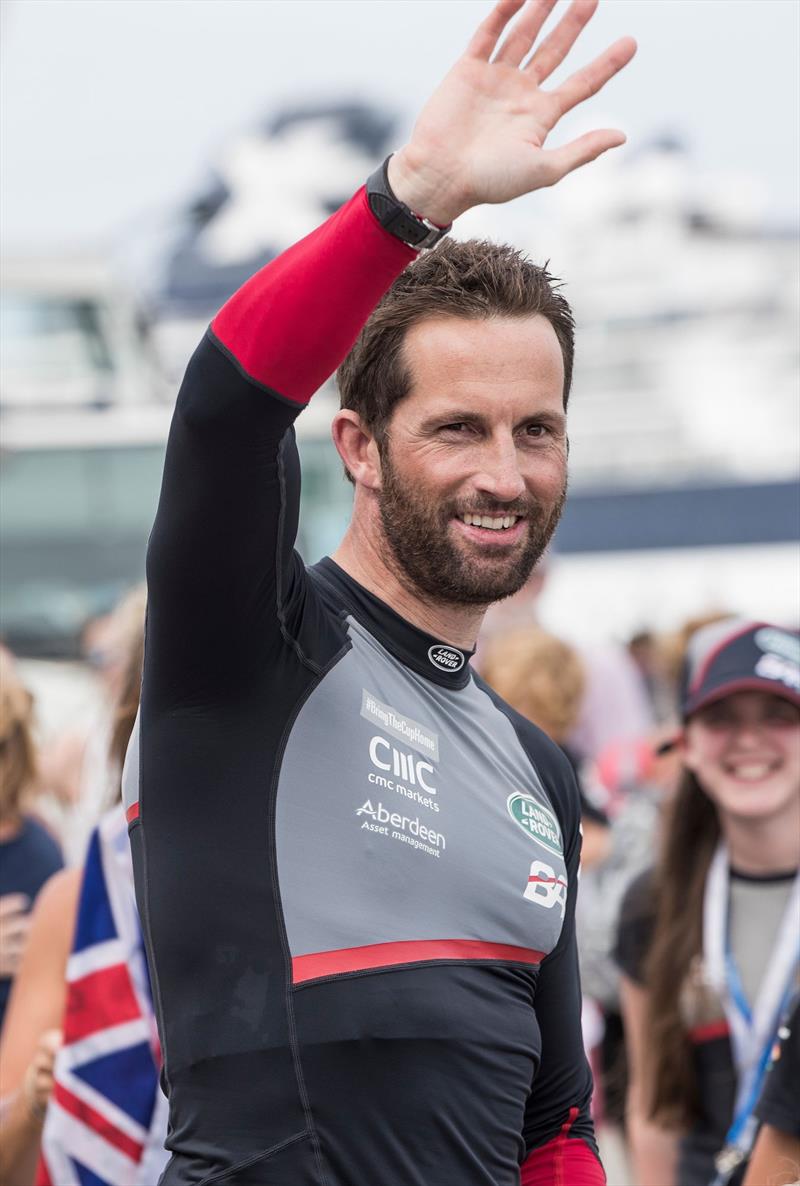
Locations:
(356, 867)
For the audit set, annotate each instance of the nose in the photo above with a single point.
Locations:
(499, 475)
(749, 734)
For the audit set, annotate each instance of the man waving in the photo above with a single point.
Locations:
(356, 866)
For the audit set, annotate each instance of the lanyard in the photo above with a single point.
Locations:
(752, 1030)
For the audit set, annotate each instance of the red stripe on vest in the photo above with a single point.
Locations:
(386, 955)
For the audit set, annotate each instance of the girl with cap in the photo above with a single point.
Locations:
(709, 941)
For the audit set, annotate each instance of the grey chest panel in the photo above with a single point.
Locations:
(411, 825)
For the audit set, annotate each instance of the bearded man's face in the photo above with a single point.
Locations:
(473, 466)
(430, 556)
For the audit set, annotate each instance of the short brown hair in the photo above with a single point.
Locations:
(475, 280)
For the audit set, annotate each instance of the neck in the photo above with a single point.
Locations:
(763, 846)
(359, 554)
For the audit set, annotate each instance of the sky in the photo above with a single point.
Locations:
(111, 111)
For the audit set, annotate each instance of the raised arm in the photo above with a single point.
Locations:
(221, 545)
(220, 555)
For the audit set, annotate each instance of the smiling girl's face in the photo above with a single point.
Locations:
(745, 752)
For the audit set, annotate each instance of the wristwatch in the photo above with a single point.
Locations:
(397, 218)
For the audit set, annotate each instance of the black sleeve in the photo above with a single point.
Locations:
(635, 927)
(780, 1100)
(222, 538)
(222, 580)
(235, 638)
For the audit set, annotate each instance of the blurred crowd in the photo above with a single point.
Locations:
(78, 1034)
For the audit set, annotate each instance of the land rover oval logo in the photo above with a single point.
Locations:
(446, 658)
(536, 821)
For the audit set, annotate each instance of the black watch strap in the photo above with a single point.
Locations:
(396, 217)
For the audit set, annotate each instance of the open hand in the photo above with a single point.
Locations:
(480, 137)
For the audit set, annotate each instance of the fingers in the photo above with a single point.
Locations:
(488, 33)
(14, 929)
(556, 45)
(12, 943)
(560, 161)
(14, 925)
(591, 78)
(521, 38)
(13, 904)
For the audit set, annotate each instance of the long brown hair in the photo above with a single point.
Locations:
(690, 836)
(17, 750)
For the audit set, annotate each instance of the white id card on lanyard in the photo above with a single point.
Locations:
(753, 1029)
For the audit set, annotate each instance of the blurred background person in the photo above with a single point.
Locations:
(28, 853)
(543, 678)
(79, 1058)
(616, 706)
(79, 770)
(708, 942)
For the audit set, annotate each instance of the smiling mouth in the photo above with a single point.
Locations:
(751, 771)
(491, 522)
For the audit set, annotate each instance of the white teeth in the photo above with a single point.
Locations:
(752, 771)
(497, 524)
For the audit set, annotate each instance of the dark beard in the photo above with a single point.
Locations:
(425, 559)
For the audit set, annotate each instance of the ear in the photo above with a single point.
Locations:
(357, 448)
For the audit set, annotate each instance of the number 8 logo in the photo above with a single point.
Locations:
(545, 888)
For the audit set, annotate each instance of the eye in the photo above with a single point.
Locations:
(717, 716)
(458, 428)
(536, 431)
(781, 712)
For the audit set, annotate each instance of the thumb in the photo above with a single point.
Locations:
(560, 161)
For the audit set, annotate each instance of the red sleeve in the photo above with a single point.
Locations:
(291, 325)
(564, 1161)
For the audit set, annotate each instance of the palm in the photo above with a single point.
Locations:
(484, 129)
(503, 121)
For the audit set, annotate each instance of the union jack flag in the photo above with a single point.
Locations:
(106, 1119)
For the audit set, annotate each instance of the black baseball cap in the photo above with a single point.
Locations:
(736, 655)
